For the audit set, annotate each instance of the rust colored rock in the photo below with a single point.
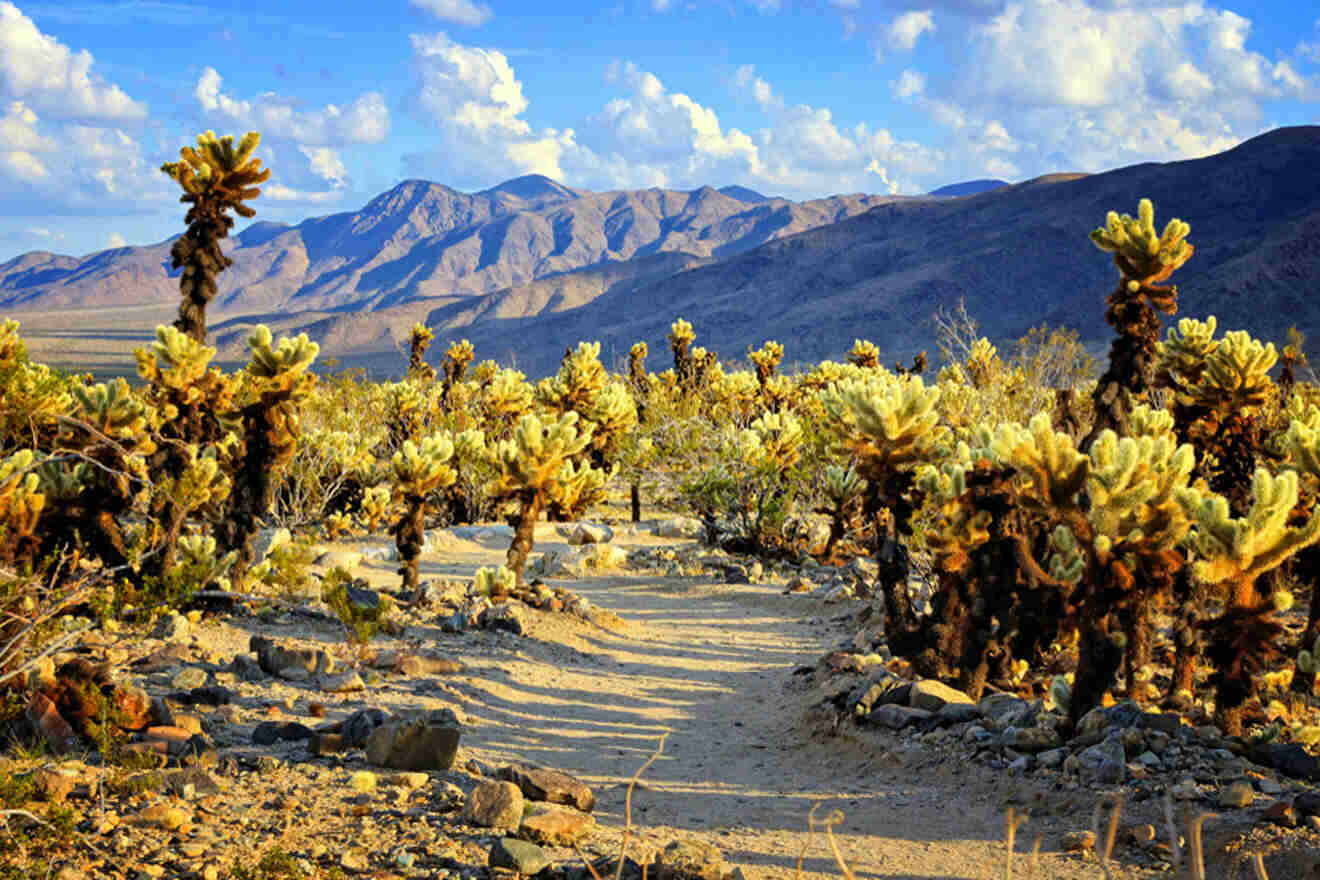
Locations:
(57, 732)
(551, 786)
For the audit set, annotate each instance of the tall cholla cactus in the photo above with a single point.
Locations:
(21, 503)
(506, 398)
(271, 425)
(419, 339)
(580, 380)
(1143, 259)
(536, 467)
(886, 425)
(1236, 552)
(843, 490)
(32, 396)
(680, 340)
(457, 357)
(215, 177)
(419, 470)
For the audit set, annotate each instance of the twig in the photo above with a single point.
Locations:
(627, 804)
(1194, 839)
(51, 648)
(1012, 824)
(1258, 867)
(833, 818)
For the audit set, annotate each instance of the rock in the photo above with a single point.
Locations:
(363, 781)
(887, 690)
(132, 704)
(800, 584)
(494, 805)
(1281, 813)
(517, 855)
(208, 695)
(1051, 758)
(270, 732)
(345, 559)
(54, 784)
(689, 860)
(589, 533)
(1004, 710)
(172, 627)
(1269, 786)
(1288, 758)
(1032, 739)
(554, 825)
(605, 557)
(551, 786)
(358, 726)
(1078, 841)
(416, 744)
(188, 678)
(410, 781)
(1236, 795)
(507, 616)
(1105, 762)
(48, 722)
(679, 527)
(1186, 790)
(933, 695)
(247, 669)
(164, 816)
(420, 664)
(294, 664)
(354, 861)
(897, 717)
(957, 713)
(1307, 803)
(556, 564)
(344, 682)
(327, 744)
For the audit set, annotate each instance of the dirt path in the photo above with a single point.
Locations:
(744, 762)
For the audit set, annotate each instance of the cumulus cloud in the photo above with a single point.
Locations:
(905, 30)
(115, 240)
(462, 12)
(46, 75)
(326, 165)
(365, 121)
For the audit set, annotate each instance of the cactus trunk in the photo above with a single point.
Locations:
(409, 534)
(529, 508)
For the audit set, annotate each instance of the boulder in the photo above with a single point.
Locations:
(428, 743)
(494, 805)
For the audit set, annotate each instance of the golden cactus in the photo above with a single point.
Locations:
(21, 503)
(418, 469)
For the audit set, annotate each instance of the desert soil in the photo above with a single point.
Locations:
(747, 750)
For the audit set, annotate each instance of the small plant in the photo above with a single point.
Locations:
(362, 612)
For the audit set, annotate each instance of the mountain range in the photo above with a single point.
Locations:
(531, 266)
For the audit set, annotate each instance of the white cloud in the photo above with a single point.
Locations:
(909, 83)
(44, 233)
(279, 193)
(44, 74)
(462, 12)
(326, 165)
(365, 121)
(908, 28)
(745, 78)
(115, 240)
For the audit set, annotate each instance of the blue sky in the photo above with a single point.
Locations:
(800, 99)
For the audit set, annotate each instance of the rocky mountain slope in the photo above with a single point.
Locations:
(421, 239)
(1018, 256)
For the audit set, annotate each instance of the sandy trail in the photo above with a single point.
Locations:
(743, 762)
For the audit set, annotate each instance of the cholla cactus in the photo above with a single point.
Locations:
(778, 440)
(766, 359)
(1143, 259)
(843, 490)
(202, 551)
(580, 380)
(419, 470)
(375, 506)
(32, 397)
(637, 366)
(1306, 676)
(506, 397)
(494, 582)
(864, 354)
(21, 503)
(531, 465)
(215, 177)
(419, 339)
(1236, 552)
(680, 340)
(271, 425)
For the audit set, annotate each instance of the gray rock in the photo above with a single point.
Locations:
(344, 682)
(247, 668)
(1032, 739)
(590, 533)
(506, 616)
(345, 559)
(679, 527)
(358, 726)
(1052, 758)
(897, 717)
(294, 664)
(518, 855)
